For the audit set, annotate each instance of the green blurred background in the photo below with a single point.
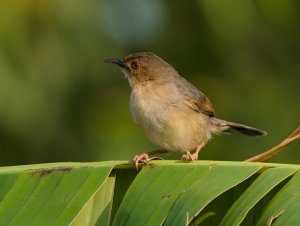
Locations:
(60, 102)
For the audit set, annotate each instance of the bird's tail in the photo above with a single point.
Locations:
(225, 126)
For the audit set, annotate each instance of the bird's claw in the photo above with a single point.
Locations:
(190, 157)
(141, 158)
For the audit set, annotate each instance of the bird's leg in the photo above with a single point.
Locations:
(144, 157)
(192, 157)
(187, 156)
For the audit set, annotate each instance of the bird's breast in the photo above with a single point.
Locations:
(164, 121)
(148, 108)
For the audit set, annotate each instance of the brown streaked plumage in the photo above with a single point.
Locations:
(172, 113)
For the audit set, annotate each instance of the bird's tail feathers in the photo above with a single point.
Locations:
(226, 126)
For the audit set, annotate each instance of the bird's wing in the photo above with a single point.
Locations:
(201, 104)
(195, 99)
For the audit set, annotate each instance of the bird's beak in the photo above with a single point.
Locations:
(117, 62)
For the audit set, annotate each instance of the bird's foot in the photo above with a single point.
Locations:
(141, 158)
(190, 157)
(144, 157)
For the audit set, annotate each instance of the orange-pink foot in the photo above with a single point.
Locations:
(190, 157)
(144, 157)
(141, 158)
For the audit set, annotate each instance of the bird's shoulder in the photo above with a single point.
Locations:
(194, 98)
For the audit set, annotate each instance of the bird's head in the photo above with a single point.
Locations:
(143, 68)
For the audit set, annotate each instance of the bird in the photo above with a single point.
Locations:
(172, 113)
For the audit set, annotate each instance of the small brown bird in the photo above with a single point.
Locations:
(171, 112)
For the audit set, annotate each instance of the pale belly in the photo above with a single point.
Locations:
(171, 128)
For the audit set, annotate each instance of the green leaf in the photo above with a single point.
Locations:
(284, 207)
(162, 193)
(255, 192)
(171, 190)
(124, 178)
(206, 189)
(48, 194)
(98, 207)
(159, 187)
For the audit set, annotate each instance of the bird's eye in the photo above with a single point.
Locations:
(134, 65)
